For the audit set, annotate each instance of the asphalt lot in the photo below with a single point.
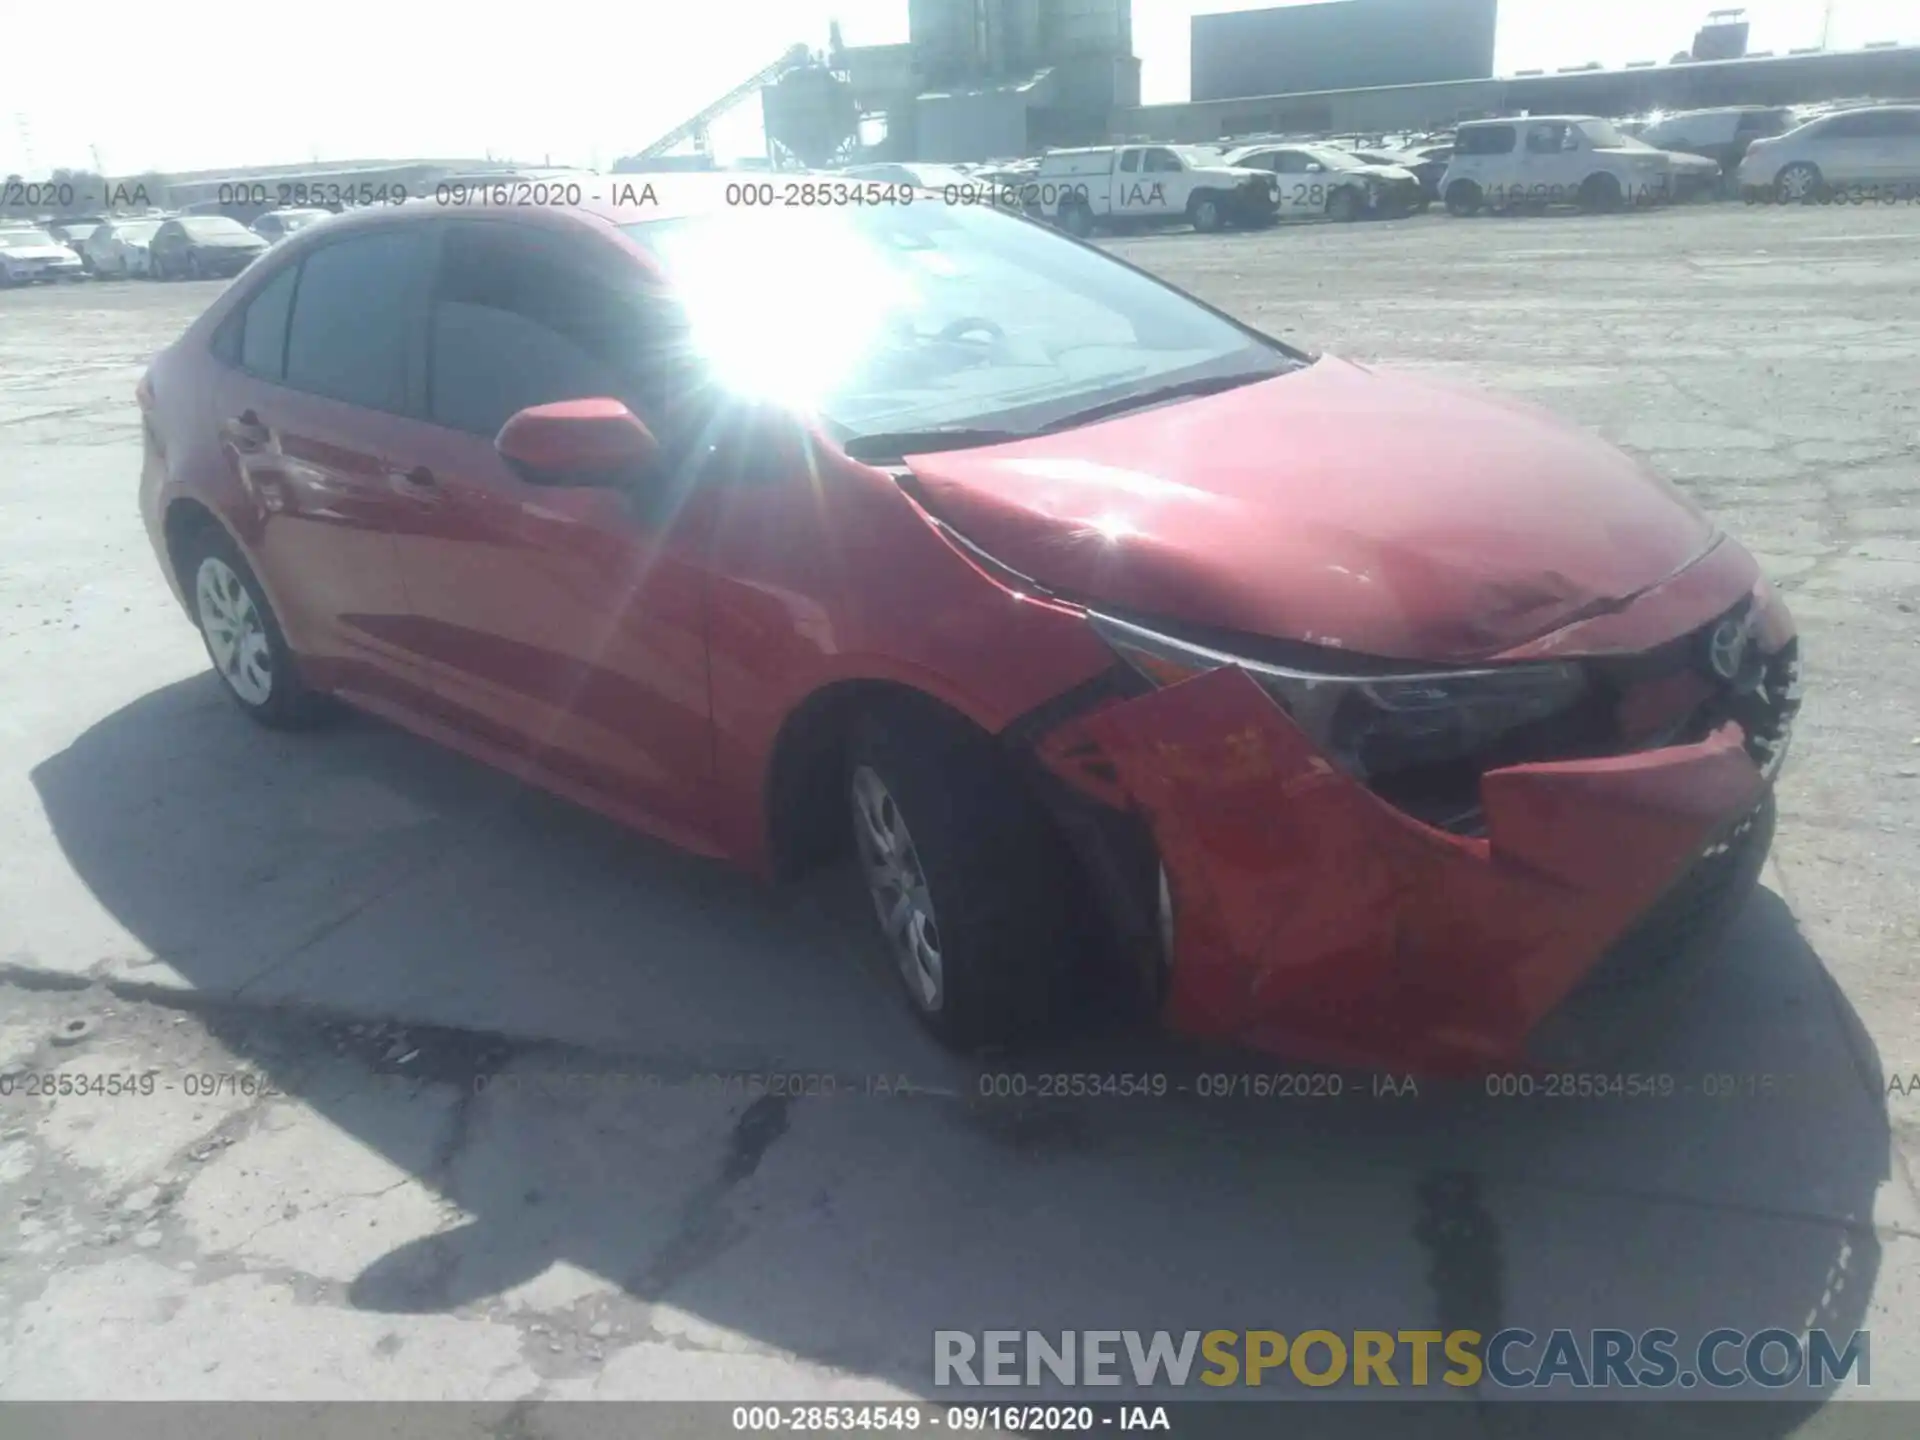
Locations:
(367, 923)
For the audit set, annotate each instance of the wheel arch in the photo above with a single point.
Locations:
(806, 816)
(186, 518)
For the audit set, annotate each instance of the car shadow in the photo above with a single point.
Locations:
(361, 874)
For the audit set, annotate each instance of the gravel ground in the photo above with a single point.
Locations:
(446, 1097)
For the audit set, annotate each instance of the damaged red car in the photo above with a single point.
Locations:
(1344, 714)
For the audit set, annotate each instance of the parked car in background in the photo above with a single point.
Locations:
(923, 177)
(202, 247)
(276, 225)
(1537, 161)
(30, 255)
(1119, 186)
(1872, 151)
(1721, 135)
(1324, 180)
(1331, 711)
(73, 234)
(118, 249)
(1427, 171)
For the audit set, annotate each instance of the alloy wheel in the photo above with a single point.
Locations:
(236, 634)
(898, 885)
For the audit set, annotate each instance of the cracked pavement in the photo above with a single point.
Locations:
(488, 1147)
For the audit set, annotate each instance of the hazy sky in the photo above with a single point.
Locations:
(148, 88)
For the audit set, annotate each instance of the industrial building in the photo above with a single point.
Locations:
(1889, 72)
(1341, 45)
(976, 80)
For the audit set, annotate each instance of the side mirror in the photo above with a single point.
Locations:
(577, 442)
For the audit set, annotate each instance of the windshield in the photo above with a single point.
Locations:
(141, 230)
(291, 220)
(24, 239)
(924, 316)
(212, 227)
(1602, 136)
(1337, 159)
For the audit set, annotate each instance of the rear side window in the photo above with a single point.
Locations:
(263, 331)
(352, 314)
(1488, 140)
(515, 324)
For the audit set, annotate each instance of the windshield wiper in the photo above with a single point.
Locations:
(1183, 390)
(896, 444)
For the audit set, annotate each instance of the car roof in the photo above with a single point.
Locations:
(1528, 120)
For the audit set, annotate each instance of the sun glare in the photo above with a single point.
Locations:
(786, 307)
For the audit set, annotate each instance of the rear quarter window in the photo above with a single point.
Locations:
(1489, 140)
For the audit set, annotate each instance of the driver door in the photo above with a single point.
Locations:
(562, 627)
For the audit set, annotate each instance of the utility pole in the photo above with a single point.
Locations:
(1826, 26)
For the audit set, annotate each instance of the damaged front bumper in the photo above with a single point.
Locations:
(1313, 918)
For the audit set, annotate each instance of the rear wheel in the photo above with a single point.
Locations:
(1600, 194)
(1798, 184)
(1343, 204)
(1464, 198)
(1076, 219)
(243, 636)
(195, 271)
(972, 888)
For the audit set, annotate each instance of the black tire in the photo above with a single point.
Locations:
(1004, 895)
(1343, 205)
(1076, 219)
(289, 704)
(1600, 194)
(1799, 184)
(195, 271)
(1207, 213)
(1464, 198)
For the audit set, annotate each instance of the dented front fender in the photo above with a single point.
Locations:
(1316, 920)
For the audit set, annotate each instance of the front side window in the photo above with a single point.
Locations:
(890, 318)
(1130, 161)
(352, 313)
(514, 324)
(1161, 162)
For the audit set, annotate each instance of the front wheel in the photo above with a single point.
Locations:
(1076, 219)
(195, 271)
(1342, 205)
(973, 891)
(1205, 215)
(243, 635)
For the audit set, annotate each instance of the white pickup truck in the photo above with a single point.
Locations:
(1118, 186)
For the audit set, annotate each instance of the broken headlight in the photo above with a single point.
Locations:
(1374, 724)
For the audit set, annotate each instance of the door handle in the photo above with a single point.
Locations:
(246, 429)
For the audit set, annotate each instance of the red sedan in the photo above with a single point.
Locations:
(1349, 715)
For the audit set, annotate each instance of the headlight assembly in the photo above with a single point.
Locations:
(1373, 725)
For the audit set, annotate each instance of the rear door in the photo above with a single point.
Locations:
(1303, 183)
(1847, 148)
(313, 411)
(564, 627)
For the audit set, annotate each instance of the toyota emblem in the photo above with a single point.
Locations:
(1727, 650)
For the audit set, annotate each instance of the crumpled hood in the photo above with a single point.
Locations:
(1391, 515)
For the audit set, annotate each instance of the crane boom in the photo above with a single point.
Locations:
(693, 125)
